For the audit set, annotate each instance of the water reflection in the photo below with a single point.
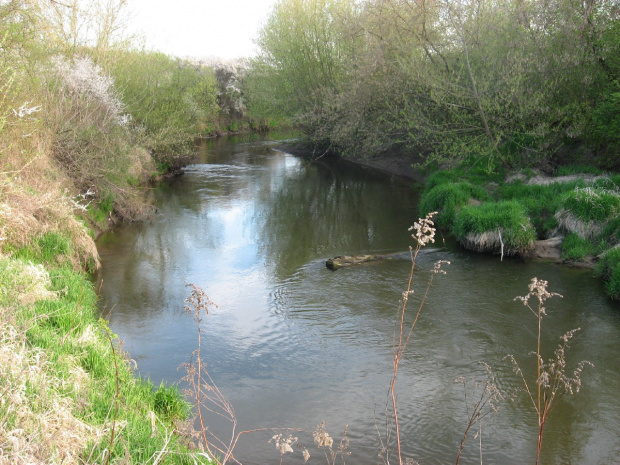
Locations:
(293, 343)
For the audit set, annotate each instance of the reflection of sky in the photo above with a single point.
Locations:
(293, 343)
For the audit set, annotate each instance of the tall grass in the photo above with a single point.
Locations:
(609, 269)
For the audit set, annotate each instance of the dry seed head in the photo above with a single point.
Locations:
(322, 437)
(283, 444)
(424, 230)
(538, 289)
(437, 269)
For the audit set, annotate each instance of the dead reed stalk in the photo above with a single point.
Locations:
(424, 234)
(552, 380)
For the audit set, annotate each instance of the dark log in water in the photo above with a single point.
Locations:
(348, 260)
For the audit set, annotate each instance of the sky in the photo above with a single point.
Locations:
(200, 28)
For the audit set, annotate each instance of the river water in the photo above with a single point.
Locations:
(292, 343)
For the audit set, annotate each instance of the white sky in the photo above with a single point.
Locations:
(200, 28)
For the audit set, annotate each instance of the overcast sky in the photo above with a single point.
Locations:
(200, 28)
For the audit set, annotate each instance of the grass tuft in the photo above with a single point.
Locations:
(609, 269)
(486, 227)
(447, 199)
(576, 248)
(593, 204)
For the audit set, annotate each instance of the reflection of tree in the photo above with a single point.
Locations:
(324, 210)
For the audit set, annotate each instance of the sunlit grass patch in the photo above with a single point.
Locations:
(447, 199)
(497, 227)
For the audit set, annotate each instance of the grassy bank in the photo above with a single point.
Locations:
(507, 214)
(68, 393)
(84, 127)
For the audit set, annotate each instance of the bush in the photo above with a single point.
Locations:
(485, 227)
(93, 141)
(170, 100)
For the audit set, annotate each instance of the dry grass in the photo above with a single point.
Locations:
(37, 422)
(569, 222)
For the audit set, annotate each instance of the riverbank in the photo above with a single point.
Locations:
(569, 217)
(391, 163)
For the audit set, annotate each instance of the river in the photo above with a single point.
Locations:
(292, 343)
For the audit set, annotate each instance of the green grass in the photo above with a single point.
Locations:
(510, 207)
(592, 204)
(540, 201)
(608, 268)
(510, 217)
(576, 248)
(447, 199)
(63, 322)
(568, 170)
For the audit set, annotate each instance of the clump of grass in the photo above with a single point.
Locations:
(447, 199)
(608, 268)
(169, 403)
(592, 204)
(23, 283)
(576, 248)
(497, 227)
(541, 201)
(568, 170)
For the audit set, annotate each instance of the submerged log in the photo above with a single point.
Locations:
(348, 260)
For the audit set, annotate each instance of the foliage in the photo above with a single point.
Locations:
(170, 100)
(505, 83)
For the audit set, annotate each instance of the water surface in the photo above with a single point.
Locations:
(292, 344)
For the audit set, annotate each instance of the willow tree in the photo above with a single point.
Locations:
(305, 54)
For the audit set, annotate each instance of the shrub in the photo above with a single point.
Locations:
(499, 227)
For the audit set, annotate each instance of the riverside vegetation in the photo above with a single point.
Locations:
(87, 118)
(482, 87)
(499, 214)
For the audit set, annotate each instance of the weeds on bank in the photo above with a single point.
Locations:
(67, 394)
